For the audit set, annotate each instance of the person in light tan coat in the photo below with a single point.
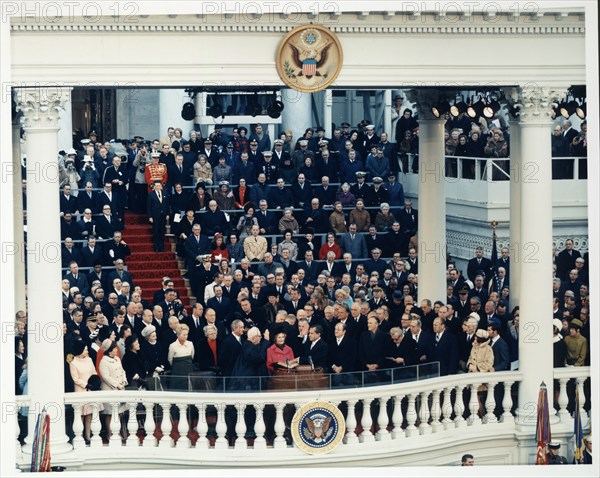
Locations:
(255, 246)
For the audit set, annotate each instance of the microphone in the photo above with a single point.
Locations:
(287, 363)
(310, 360)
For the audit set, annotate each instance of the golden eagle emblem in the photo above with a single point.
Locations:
(309, 58)
(317, 428)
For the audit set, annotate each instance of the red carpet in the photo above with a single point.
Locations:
(148, 267)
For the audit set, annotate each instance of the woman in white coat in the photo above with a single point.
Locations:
(113, 378)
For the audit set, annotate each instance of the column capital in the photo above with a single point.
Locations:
(426, 98)
(535, 102)
(40, 107)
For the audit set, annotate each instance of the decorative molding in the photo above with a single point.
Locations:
(454, 29)
(535, 101)
(41, 106)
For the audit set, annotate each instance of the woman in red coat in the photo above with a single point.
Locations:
(330, 245)
(279, 351)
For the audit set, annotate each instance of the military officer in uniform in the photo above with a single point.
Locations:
(155, 171)
(553, 454)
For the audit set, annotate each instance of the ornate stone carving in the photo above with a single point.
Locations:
(41, 106)
(535, 101)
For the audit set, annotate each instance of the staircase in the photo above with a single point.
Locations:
(148, 267)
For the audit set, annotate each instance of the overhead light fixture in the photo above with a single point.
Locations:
(188, 111)
(440, 109)
(568, 110)
(581, 111)
(458, 108)
(491, 109)
(476, 110)
(274, 109)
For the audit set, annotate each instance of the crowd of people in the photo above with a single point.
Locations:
(286, 267)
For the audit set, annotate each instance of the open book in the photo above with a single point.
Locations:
(284, 365)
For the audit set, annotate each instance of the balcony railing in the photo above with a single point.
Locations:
(203, 428)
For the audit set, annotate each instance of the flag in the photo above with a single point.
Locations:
(578, 431)
(542, 430)
(40, 454)
(493, 277)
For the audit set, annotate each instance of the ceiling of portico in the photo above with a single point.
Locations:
(381, 49)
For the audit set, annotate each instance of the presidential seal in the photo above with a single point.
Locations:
(309, 58)
(318, 427)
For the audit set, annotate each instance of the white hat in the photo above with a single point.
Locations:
(148, 330)
(87, 158)
(155, 154)
(557, 323)
(72, 152)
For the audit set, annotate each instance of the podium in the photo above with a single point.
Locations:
(302, 377)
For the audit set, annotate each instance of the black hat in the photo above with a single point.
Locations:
(345, 125)
(78, 347)
(139, 138)
(278, 329)
(242, 128)
(464, 289)
(92, 133)
(129, 341)
(397, 295)
(94, 383)
(320, 128)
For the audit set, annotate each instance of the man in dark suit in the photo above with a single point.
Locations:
(565, 260)
(478, 265)
(400, 350)
(316, 354)
(409, 219)
(106, 224)
(69, 253)
(315, 217)
(121, 273)
(109, 197)
(499, 346)
(221, 305)
(311, 268)
(325, 193)
(88, 199)
(354, 243)
(423, 342)
(302, 192)
(98, 274)
(295, 303)
(342, 356)
(231, 348)
(86, 225)
(195, 322)
(445, 349)
(373, 239)
(77, 279)
(370, 349)
(116, 249)
(117, 176)
(345, 267)
(196, 244)
(91, 253)
(179, 173)
(266, 219)
(158, 214)
(67, 202)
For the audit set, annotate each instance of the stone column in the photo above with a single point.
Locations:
(65, 124)
(40, 108)
(327, 113)
(170, 102)
(515, 213)
(535, 328)
(432, 199)
(17, 200)
(297, 114)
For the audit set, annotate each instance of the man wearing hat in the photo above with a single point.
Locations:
(301, 152)
(93, 136)
(269, 167)
(376, 196)
(254, 155)
(553, 456)
(321, 135)
(367, 140)
(158, 214)
(155, 171)
(283, 159)
(361, 189)
(211, 152)
(231, 157)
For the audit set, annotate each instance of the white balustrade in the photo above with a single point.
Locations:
(183, 427)
(166, 426)
(78, 440)
(397, 418)
(507, 403)
(431, 406)
(367, 422)
(567, 392)
(351, 437)
(382, 420)
(260, 428)
(150, 425)
(411, 415)
(424, 426)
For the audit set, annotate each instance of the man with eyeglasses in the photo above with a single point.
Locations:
(121, 273)
(116, 249)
